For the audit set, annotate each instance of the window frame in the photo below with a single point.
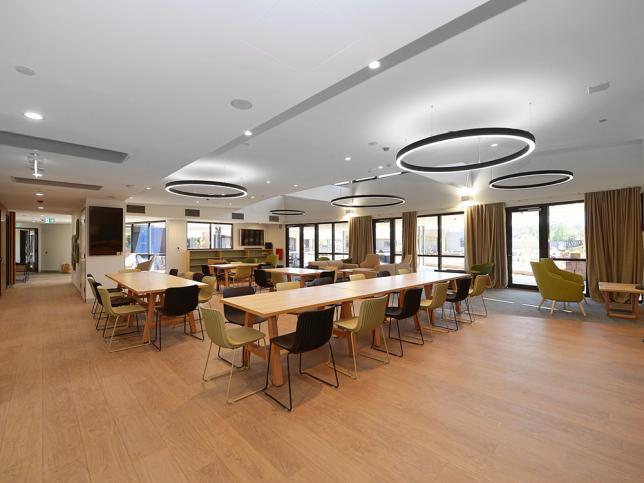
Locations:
(439, 242)
(317, 253)
(210, 223)
(149, 254)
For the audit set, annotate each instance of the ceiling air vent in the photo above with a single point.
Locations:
(238, 216)
(274, 218)
(192, 212)
(61, 147)
(140, 209)
(598, 88)
(59, 184)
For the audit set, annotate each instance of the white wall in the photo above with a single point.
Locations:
(56, 246)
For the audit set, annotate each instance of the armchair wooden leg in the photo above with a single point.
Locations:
(581, 308)
(552, 307)
(541, 303)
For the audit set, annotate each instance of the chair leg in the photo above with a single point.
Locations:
(306, 373)
(581, 308)
(226, 360)
(386, 348)
(409, 341)
(429, 326)
(541, 303)
(157, 332)
(288, 372)
(203, 376)
(484, 306)
(552, 307)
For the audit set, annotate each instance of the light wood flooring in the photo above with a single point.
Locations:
(507, 399)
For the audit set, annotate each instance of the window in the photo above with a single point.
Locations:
(307, 243)
(382, 240)
(441, 241)
(209, 235)
(144, 241)
(567, 237)
(398, 236)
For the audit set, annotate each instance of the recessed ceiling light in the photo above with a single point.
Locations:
(372, 143)
(295, 185)
(230, 204)
(148, 188)
(268, 181)
(40, 194)
(248, 133)
(348, 158)
(131, 198)
(242, 104)
(381, 167)
(197, 202)
(374, 65)
(36, 116)
(41, 208)
(341, 183)
(24, 70)
(494, 145)
(252, 197)
(390, 174)
(603, 120)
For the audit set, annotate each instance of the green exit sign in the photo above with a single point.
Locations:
(50, 220)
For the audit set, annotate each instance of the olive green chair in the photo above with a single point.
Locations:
(232, 339)
(439, 295)
(481, 282)
(552, 267)
(206, 293)
(187, 275)
(272, 259)
(482, 269)
(125, 311)
(323, 259)
(243, 273)
(357, 276)
(371, 317)
(556, 288)
(249, 260)
(287, 286)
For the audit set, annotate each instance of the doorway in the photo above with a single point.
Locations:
(27, 249)
(301, 245)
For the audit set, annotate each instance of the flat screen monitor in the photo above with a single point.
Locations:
(105, 230)
(250, 238)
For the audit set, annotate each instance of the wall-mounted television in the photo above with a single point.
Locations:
(250, 238)
(105, 230)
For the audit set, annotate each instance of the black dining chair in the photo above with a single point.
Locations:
(410, 305)
(262, 279)
(236, 316)
(174, 271)
(314, 329)
(328, 274)
(320, 281)
(205, 270)
(461, 295)
(177, 302)
(383, 273)
(197, 277)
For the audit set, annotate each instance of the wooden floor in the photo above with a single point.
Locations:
(507, 399)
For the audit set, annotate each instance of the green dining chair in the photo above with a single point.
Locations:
(118, 312)
(371, 317)
(437, 300)
(233, 339)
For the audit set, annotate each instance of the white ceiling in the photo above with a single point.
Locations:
(160, 90)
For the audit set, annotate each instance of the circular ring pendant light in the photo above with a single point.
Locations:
(563, 176)
(178, 188)
(389, 200)
(285, 212)
(487, 132)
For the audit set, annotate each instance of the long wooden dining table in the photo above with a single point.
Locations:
(227, 267)
(302, 273)
(148, 287)
(271, 305)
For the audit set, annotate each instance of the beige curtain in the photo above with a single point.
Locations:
(360, 238)
(485, 239)
(409, 219)
(613, 238)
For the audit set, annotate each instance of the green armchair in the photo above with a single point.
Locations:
(482, 269)
(556, 288)
(552, 267)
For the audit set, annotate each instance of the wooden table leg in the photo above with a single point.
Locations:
(191, 321)
(276, 361)
(149, 317)
(606, 296)
(636, 306)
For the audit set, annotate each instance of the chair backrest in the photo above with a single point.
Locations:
(216, 327)
(188, 275)
(286, 286)
(146, 266)
(272, 260)
(403, 271)
(249, 260)
(229, 311)
(439, 295)
(462, 288)
(313, 330)
(370, 261)
(411, 302)
(323, 259)
(480, 284)
(261, 278)
(180, 300)
(482, 268)
(104, 299)
(329, 274)
(357, 276)
(384, 273)
(205, 270)
(372, 313)
(243, 272)
(197, 277)
(174, 271)
(93, 284)
(320, 281)
(129, 270)
(263, 266)
(277, 277)
(209, 289)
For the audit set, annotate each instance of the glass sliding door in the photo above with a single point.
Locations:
(340, 240)
(524, 245)
(567, 237)
(383, 240)
(308, 237)
(325, 240)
